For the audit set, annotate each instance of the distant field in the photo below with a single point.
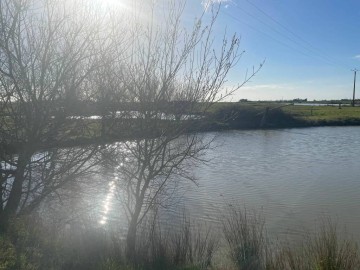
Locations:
(308, 113)
(323, 113)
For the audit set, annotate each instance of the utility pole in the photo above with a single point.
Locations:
(353, 101)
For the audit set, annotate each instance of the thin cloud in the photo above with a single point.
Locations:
(268, 87)
(357, 57)
(208, 3)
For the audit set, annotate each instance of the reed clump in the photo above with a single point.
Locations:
(249, 249)
(32, 245)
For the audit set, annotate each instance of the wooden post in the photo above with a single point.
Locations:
(353, 101)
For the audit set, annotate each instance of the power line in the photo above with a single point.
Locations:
(296, 35)
(311, 50)
(265, 34)
(275, 30)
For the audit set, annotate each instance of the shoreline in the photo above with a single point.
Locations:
(221, 117)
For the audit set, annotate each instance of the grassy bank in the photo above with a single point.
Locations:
(325, 115)
(279, 115)
(243, 244)
(229, 115)
(84, 130)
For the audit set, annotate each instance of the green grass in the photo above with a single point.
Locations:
(310, 114)
(323, 113)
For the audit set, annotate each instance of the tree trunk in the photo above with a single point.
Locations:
(131, 241)
(13, 202)
(2, 223)
(131, 235)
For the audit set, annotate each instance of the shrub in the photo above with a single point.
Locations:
(7, 254)
(245, 235)
(186, 247)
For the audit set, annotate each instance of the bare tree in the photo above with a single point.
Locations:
(47, 56)
(173, 76)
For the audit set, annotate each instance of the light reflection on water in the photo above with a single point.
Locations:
(110, 206)
(107, 203)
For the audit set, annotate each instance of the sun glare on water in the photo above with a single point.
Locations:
(107, 203)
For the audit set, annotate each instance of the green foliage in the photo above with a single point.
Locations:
(20, 247)
(250, 116)
(7, 254)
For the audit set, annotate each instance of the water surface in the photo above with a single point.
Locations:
(294, 177)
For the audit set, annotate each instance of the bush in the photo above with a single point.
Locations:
(21, 247)
(245, 235)
(325, 250)
(188, 247)
(7, 254)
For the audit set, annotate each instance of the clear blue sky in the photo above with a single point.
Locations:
(310, 46)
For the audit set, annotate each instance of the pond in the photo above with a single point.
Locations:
(294, 178)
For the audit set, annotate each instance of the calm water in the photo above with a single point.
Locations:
(294, 177)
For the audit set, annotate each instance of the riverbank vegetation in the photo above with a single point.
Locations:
(242, 242)
(250, 115)
(85, 126)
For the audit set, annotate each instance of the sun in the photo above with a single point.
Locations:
(114, 3)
